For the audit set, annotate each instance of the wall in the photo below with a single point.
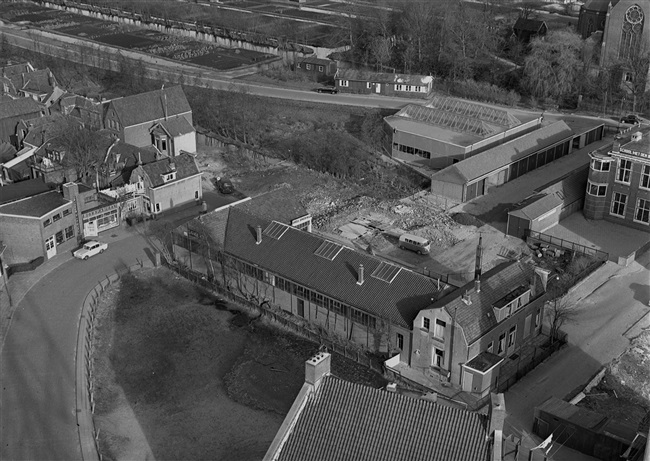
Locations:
(186, 142)
(22, 237)
(547, 220)
(176, 193)
(442, 153)
(424, 342)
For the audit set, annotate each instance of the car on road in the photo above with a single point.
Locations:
(631, 119)
(327, 89)
(90, 249)
(224, 185)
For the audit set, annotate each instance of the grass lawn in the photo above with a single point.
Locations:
(177, 376)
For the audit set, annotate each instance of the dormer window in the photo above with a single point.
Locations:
(169, 176)
(510, 303)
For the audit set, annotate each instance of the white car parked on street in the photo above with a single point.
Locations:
(90, 249)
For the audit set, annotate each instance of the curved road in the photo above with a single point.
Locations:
(37, 400)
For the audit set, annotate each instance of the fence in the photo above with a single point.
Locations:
(294, 325)
(85, 385)
(562, 243)
(526, 362)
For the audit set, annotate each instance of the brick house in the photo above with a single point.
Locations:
(11, 78)
(41, 86)
(132, 118)
(12, 111)
(366, 82)
(618, 186)
(34, 226)
(463, 337)
(168, 182)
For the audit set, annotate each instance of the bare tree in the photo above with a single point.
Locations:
(79, 145)
(559, 310)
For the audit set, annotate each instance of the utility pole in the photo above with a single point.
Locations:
(3, 247)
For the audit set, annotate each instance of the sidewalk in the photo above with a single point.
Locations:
(21, 282)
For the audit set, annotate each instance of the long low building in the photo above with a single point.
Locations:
(473, 177)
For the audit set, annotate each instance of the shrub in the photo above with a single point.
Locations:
(482, 91)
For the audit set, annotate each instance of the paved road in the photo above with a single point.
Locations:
(607, 320)
(37, 399)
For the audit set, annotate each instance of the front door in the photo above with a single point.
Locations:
(50, 247)
(301, 307)
(377, 88)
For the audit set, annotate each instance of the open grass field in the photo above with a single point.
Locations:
(180, 377)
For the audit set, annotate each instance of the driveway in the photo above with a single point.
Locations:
(37, 395)
(611, 305)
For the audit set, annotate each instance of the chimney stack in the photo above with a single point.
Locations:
(466, 298)
(172, 166)
(360, 275)
(139, 159)
(317, 367)
(477, 285)
(543, 275)
(258, 239)
(479, 258)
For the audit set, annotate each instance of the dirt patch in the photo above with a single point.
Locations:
(176, 378)
(467, 219)
(624, 392)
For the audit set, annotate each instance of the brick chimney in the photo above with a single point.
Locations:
(258, 235)
(70, 190)
(317, 367)
(543, 275)
(467, 299)
(360, 275)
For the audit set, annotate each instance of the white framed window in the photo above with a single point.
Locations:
(644, 183)
(400, 341)
(439, 331)
(624, 171)
(321, 68)
(538, 317)
(426, 323)
(597, 190)
(599, 165)
(618, 204)
(512, 336)
(157, 207)
(490, 347)
(628, 77)
(308, 66)
(368, 85)
(642, 211)
(299, 66)
(438, 358)
(344, 83)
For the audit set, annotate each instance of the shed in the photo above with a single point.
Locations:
(538, 212)
(526, 29)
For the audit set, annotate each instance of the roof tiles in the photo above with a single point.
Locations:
(153, 105)
(347, 421)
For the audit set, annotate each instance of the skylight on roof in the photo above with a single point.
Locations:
(386, 272)
(275, 230)
(328, 250)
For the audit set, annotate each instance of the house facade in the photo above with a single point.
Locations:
(463, 337)
(168, 182)
(618, 187)
(41, 225)
(132, 118)
(400, 85)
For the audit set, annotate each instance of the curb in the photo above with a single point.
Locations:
(85, 401)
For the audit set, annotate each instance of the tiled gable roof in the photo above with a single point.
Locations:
(292, 257)
(383, 77)
(18, 107)
(176, 126)
(215, 223)
(348, 421)
(500, 156)
(185, 167)
(316, 61)
(40, 81)
(477, 318)
(146, 107)
(35, 206)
